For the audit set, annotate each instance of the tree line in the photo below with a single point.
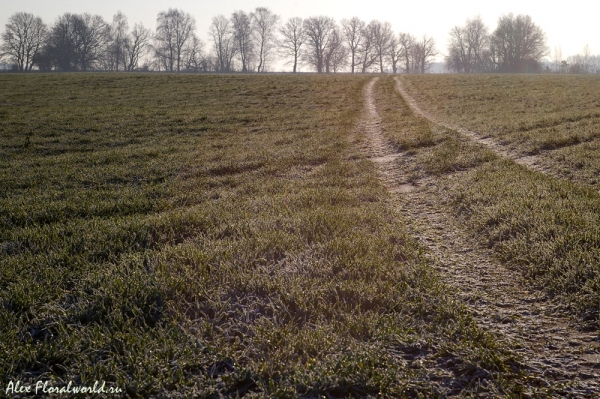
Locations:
(517, 45)
(584, 63)
(255, 41)
(244, 42)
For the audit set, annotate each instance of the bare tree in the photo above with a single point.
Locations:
(193, 55)
(583, 63)
(92, 37)
(479, 41)
(407, 42)
(394, 53)
(557, 58)
(594, 64)
(422, 54)
(23, 39)
(336, 54)
(119, 41)
(352, 31)
(459, 58)
(382, 34)
(587, 56)
(174, 29)
(223, 43)
(518, 45)
(366, 49)
(137, 45)
(292, 39)
(468, 48)
(60, 50)
(574, 64)
(242, 33)
(78, 42)
(318, 35)
(208, 63)
(263, 25)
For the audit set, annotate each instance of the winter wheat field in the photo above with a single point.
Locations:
(305, 235)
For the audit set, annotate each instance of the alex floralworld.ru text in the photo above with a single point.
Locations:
(45, 387)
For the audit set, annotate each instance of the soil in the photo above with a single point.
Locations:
(558, 354)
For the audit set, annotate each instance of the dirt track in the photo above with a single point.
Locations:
(529, 161)
(555, 352)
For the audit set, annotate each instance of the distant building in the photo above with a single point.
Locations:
(5, 67)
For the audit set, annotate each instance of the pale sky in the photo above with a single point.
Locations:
(569, 24)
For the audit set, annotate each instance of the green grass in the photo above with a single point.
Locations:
(216, 235)
(499, 105)
(527, 113)
(547, 228)
(433, 150)
(543, 227)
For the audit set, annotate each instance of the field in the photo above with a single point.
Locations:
(555, 116)
(236, 235)
(546, 225)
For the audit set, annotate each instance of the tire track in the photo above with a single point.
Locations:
(557, 356)
(529, 161)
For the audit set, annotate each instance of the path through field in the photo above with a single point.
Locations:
(529, 161)
(556, 354)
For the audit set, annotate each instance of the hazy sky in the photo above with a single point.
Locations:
(569, 24)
